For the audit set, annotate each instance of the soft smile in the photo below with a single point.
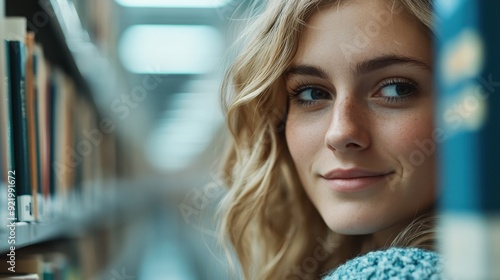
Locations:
(354, 180)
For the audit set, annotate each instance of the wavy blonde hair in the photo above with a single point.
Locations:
(264, 189)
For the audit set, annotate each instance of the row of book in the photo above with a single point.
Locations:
(57, 152)
(52, 139)
(38, 266)
(59, 260)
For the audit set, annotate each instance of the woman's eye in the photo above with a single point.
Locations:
(312, 94)
(397, 90)
(309, 96)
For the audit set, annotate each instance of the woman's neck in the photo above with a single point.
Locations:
(384, 238)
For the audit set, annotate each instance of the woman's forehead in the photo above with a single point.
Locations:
(355, 31)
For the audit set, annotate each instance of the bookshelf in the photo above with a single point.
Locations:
(112, 208)
(70, 169)
(104, 219)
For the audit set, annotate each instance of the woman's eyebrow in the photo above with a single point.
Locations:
(362, 67)
(383, 61)
(306, 70)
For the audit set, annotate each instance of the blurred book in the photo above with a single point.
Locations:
(15, 30)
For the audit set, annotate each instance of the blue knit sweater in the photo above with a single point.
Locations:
(393, 263)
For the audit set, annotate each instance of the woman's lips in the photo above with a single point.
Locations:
(354, 180)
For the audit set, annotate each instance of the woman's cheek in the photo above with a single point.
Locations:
(304, 138)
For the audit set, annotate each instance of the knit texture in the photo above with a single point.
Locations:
(393, 263)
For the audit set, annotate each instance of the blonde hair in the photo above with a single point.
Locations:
(264, 188)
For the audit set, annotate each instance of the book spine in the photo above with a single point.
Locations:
(31, 120)
(3, 128)
(52, 133)
(6, 123)
(43, 101)
(38, 138)
(18, 95)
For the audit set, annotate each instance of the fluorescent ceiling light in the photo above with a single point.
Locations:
(171, 49)
(174, 3)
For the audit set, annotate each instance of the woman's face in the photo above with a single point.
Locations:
(360, 119)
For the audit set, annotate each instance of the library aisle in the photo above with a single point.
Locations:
(110, 134)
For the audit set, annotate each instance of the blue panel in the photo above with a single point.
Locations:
(490, 151)
(468, 68)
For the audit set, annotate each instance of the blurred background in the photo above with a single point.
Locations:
(143, 98)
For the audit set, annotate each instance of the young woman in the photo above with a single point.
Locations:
(330, 104)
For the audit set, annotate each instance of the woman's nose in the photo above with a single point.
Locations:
(349, 128)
